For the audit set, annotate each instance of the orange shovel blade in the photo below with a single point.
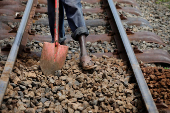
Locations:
(52, 58)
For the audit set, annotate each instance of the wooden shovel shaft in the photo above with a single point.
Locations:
(56, 26)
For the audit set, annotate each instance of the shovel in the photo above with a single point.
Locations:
(53, 55)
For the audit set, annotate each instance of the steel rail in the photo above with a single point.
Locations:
(14, 51)
(150, 104)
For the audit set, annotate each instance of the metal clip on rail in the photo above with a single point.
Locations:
(14, 51)
(150, 104)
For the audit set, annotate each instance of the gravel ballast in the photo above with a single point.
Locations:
(111, 87)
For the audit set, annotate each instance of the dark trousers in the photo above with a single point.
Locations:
(73, 9)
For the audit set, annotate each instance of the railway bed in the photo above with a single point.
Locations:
(111, 87)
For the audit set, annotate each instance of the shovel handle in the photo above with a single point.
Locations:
(56, 25)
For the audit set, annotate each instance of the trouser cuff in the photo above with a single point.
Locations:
(60, 40)
(80, 31)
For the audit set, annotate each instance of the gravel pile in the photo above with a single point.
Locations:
(99, 29)
(88, 16)
(126, 5)
(45, 30)
(97, 47)
(41, 29)
(35, 46)
(86, 5)
(108, 88)
(158, 80)
(142, 45)
(159, 17)
(101, 47)
(126, 14)
(135, 28)
(92, 30)
(42, 15)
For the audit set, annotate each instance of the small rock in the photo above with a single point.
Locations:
(16, 79)
(58, 108)
(117, 110)
(55, 88)
(77, 112)
(127, 91)
(75, 106)
(85, 104)
(70, 110)
(43, 100)
(61, 88)
(63, 78)
(21, 94)
(38, 110)
(120, 102)
(101, 99)
(94, 102)
(32, 75)
(30, 110)
(47, 104)
(51, 80)
(80, 108)
(122, 109)
(127, 111)
(21, 108)
(80, 78)
(58, 73)
(41, 44)
(72, 100)
(78, 95)
(3, 106)
(62, 97)
(135, 110)
(96, 108)
(22, 87)
(129, 106)
(31, 94)
(121, 88)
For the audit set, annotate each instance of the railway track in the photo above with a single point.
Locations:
(114, 35)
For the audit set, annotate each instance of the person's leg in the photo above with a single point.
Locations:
(77, 24)
(61, 23)
(75, 17)
(85, 60)
(51, 16)
(82, 42)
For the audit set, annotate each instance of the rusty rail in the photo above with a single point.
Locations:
(150, 104)
(14, 50)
